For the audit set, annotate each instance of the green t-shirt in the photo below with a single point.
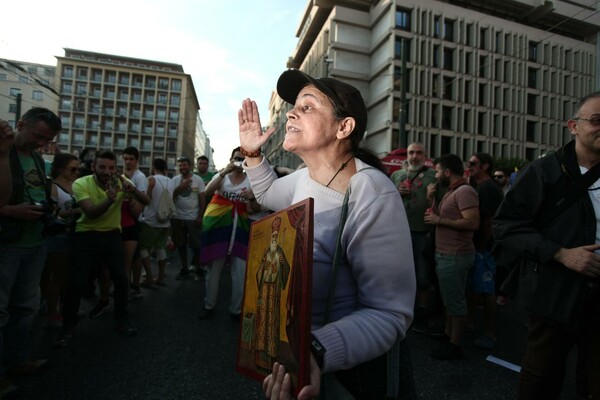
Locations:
(86, 188)
(206, 178)
(35, 192)
(415, 204)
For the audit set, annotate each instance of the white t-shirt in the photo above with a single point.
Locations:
(149, 214)
(186, 203)
(139, 180)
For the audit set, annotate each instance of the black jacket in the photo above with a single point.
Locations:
(522, 229)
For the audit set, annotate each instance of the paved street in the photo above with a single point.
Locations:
(176, 356)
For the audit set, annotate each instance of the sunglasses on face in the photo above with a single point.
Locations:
(499, 177)
(472, 163)
(238, 158)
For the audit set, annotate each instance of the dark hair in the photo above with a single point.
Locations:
(132, 151)
(506, 171)
(582, 101)
(485, 158)
(159, 164)
(183, 159)
(202, 158)
(235, 151)
(452, 163)
(105, 154)
(37, 114)
(60, 161)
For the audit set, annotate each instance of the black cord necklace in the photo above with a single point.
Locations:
(342, 167)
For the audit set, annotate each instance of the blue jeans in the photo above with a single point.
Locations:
(20, 273)
(90, 249)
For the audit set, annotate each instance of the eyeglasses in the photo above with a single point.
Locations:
(472, 163)
(499, 177)
(592, 121)
(239, 158)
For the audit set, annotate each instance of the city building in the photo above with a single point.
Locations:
(33, 82)
(498, 76)
(110, 102)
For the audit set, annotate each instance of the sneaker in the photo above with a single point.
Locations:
(183, 274)
(485, 342)
(7, 389)
(28, 368)
(99, 309)
(135, 293)
(205, 313)
(53, 322)
(126, 327)
(63, 338)
(448, 351)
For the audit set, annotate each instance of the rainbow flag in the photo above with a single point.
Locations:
(225, 229)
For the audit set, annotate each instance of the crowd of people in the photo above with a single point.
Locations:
(462, 234)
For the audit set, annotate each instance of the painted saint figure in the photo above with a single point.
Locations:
(271, 278)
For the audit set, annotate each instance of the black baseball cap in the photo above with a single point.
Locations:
(346, 96)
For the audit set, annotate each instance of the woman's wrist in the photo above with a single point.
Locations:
(250, 154)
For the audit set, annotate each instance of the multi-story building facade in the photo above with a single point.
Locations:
(110, 102)
(33, 82)
(496, 76)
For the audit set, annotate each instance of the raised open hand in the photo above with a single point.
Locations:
(252, 138)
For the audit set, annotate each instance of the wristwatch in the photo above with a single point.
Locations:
(317, 350)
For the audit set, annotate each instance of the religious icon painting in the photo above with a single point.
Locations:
(275, 323)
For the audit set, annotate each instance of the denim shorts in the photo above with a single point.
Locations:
(453, 271)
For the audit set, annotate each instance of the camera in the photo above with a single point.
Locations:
(53, 225)
(238, 163)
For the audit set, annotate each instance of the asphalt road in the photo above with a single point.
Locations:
(177, 356)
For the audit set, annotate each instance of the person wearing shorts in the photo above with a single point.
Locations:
(456, 217)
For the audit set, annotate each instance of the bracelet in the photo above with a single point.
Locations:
(250, 154)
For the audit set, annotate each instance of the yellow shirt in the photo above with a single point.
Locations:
(87, 188)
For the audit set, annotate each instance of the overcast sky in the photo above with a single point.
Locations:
(233, 49)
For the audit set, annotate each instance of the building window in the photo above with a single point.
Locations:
(482, 94)
(449, 30)
(403, 19)
(37, 95)
(67, 71)
(532, 78)
(14, 92)
(436, 56)
(468, 63)
(23, 79)
(449, 59)
(12, 108)
(2, 77)
(175, 100)
(447, 117)
(533, 51)
(402, 44)
(436, 27)
(469, 35)
(448, 88)
(163, 83)
(530, 131)
(483, 37)
(82, 73)
(532, 104)
(483, 61)
(176, 85)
